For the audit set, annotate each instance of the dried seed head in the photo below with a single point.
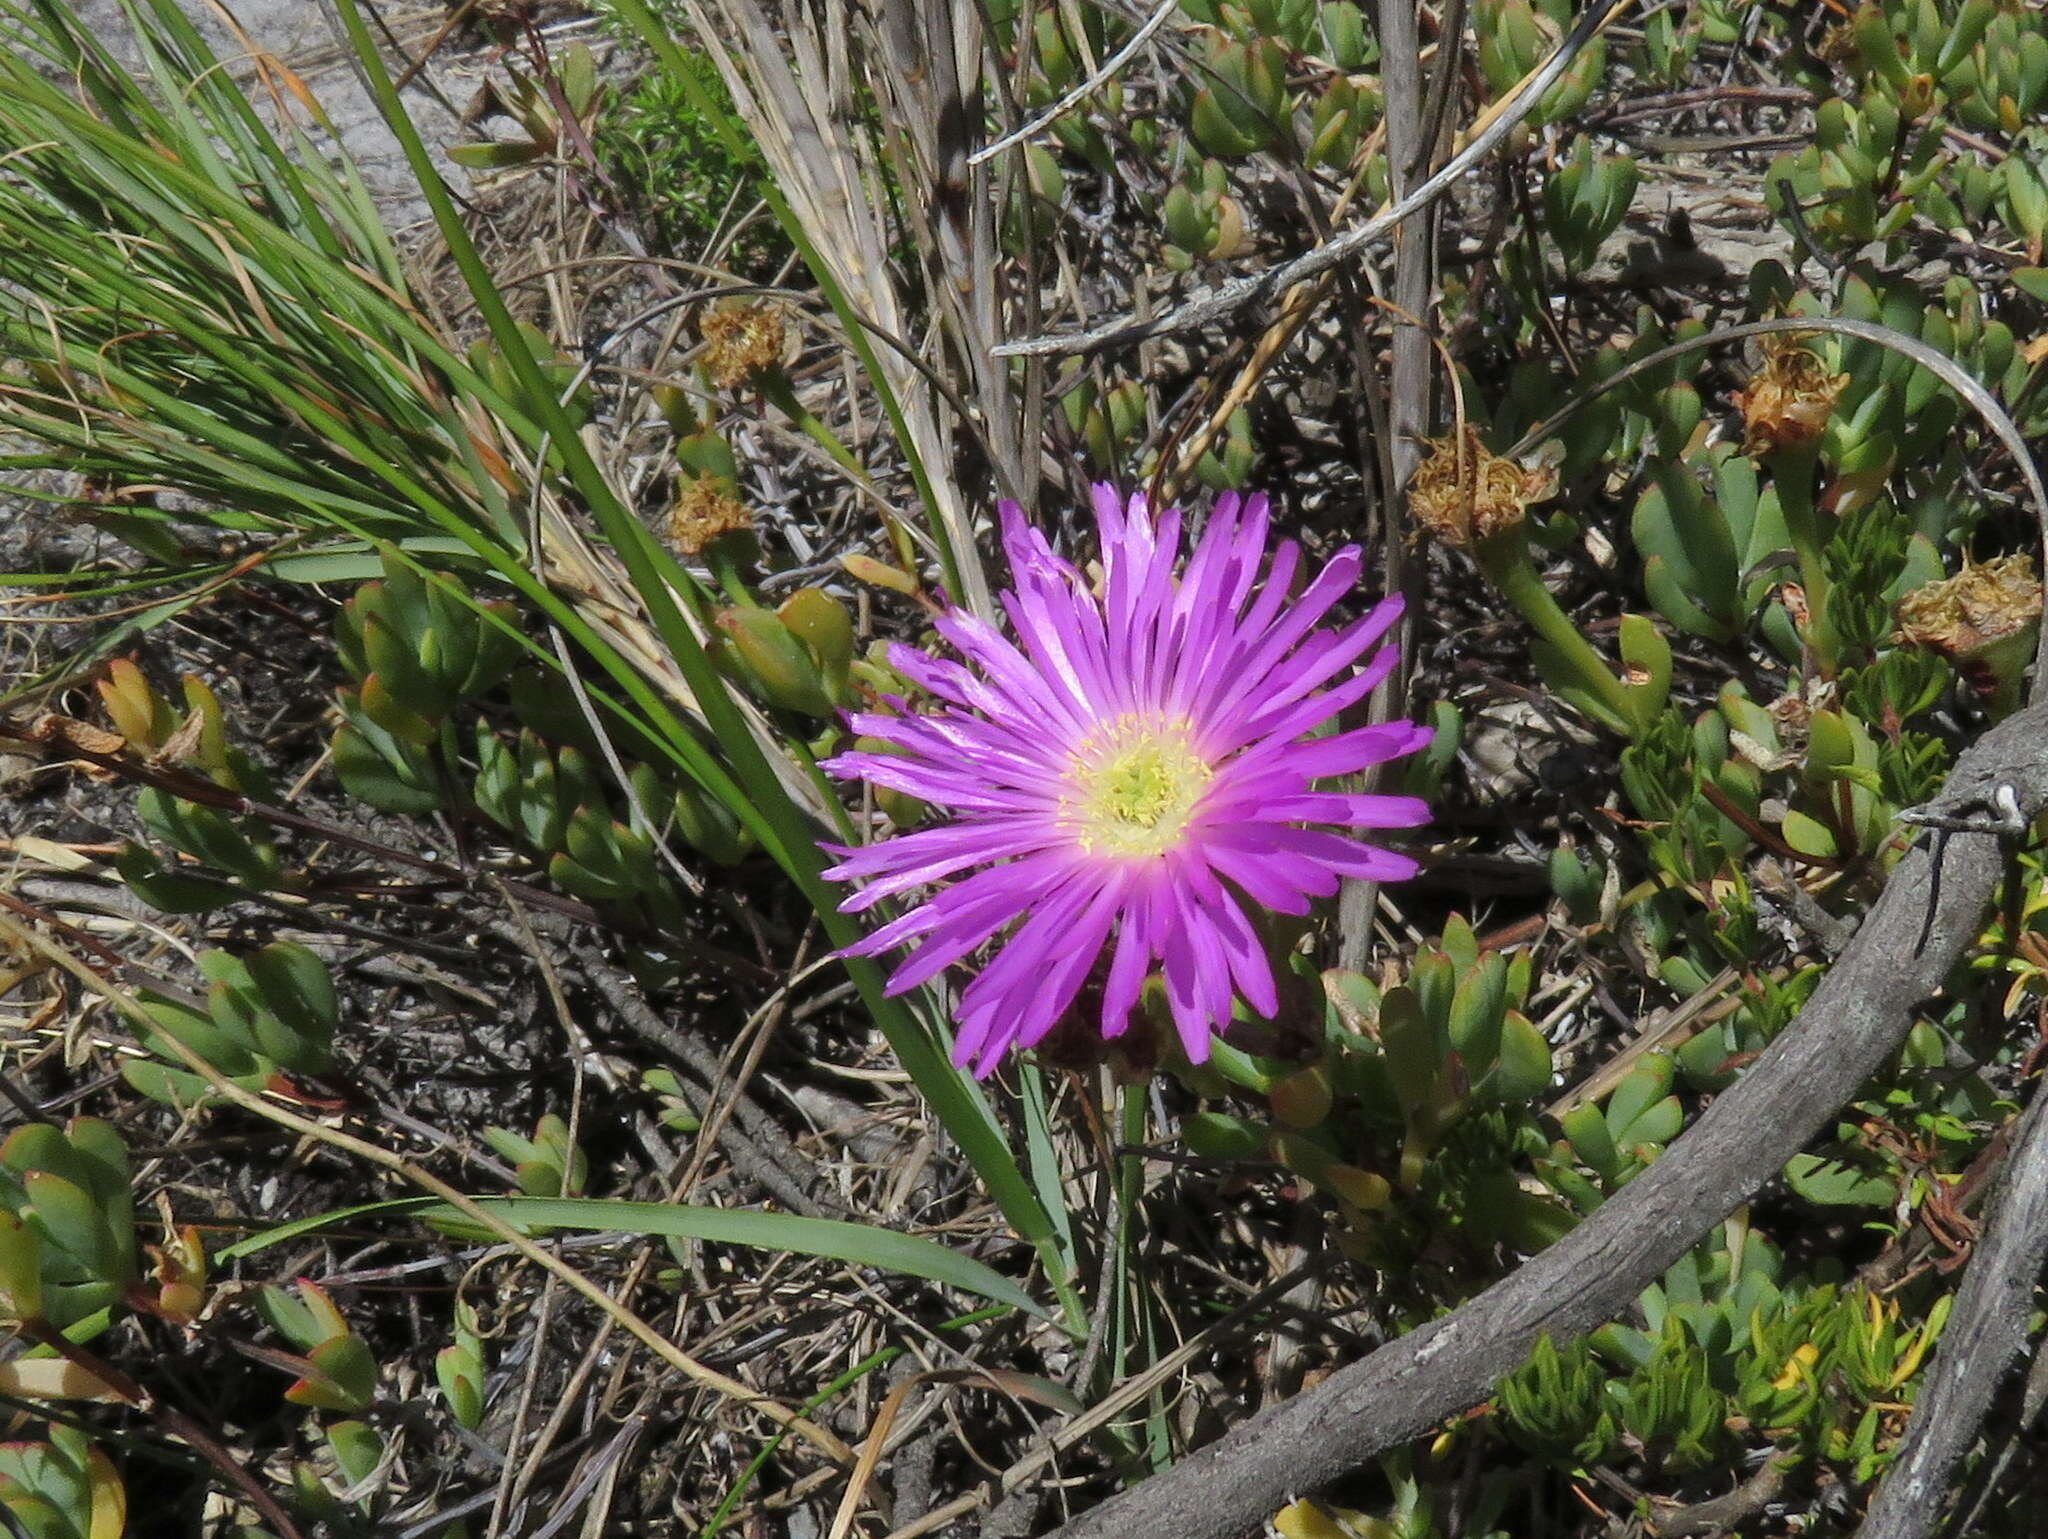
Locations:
(1985, 620)
(739, 342)
(1793, 596)
(704, 509)
(1789, 399)
(1793, 716)
(1980, 608)
(1464, 492)
(1837, 44)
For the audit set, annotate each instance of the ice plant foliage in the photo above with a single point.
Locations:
(1128, 774)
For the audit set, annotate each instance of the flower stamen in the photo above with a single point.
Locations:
(1136, 783)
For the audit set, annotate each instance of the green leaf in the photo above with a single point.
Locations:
(352, 560)
(592, 841)
(1832, 1183)
(21, 1269)
(400, 667)
(1808, 837)
(290, 1317)
(296, 987)
(343, 1376)
(165, 1085)
(70, 1221)
(498, 645)
(1591, 1140)
(207, 835)
(493, 156)
(854, 1244)
(1499, 1210)
(1645, 650)
(1247, 1070)
(459, 1374)
(220, 1048)
(1459, 943)
(172, 892)
(1524, 1070)
(357, 1450)
(1476, 1013)
(1647, 1083)
(1658, 1124)
(571, 875)
(386, 781)
(1221, 1136)
(1414, 1062)
(1667, 591)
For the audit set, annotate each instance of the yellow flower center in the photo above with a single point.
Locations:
(1135, 785)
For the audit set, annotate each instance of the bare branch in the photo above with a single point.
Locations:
(1083, 90)
(1856, 1018)
(1230, 297)
(1985, 1333)
(1410, 149)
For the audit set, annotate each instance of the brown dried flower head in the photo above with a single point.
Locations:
(1986, 620)
(1837, 44)
(704, 509)
(1789, 399)
(1793, 596)
(1792, 714)
(1466, 493)
(1979, 607)
(739, 342)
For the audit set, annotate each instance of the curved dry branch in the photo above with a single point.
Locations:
(1985, 1333)
(1228, 298)
(1083, 90)
(1933, 360)
(1856, 1018)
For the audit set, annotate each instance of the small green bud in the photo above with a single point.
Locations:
(824, 625)
(1302, 1100)
(766, 655)
(879, 574)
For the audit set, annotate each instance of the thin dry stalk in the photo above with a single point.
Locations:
(801, 101)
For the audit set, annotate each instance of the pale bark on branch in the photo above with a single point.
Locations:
(1862, 1010)
(1986, 1332)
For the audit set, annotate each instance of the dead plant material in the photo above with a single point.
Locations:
(740, 341)
(1464, 492)
(705, 508)
(1788, 401)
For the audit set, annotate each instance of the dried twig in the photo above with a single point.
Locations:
(1856, 1018)
(1720, 1514)
(1986, 1331)
(758, 1148)
(1411, 146)
(1228, 298)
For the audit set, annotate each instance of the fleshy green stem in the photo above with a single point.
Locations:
(1792, 470)
(775, 388)
(1504, 557)
(725, 571)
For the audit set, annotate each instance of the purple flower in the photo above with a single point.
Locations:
(1126, 774)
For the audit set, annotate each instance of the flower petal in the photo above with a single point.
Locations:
(1226, 658)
